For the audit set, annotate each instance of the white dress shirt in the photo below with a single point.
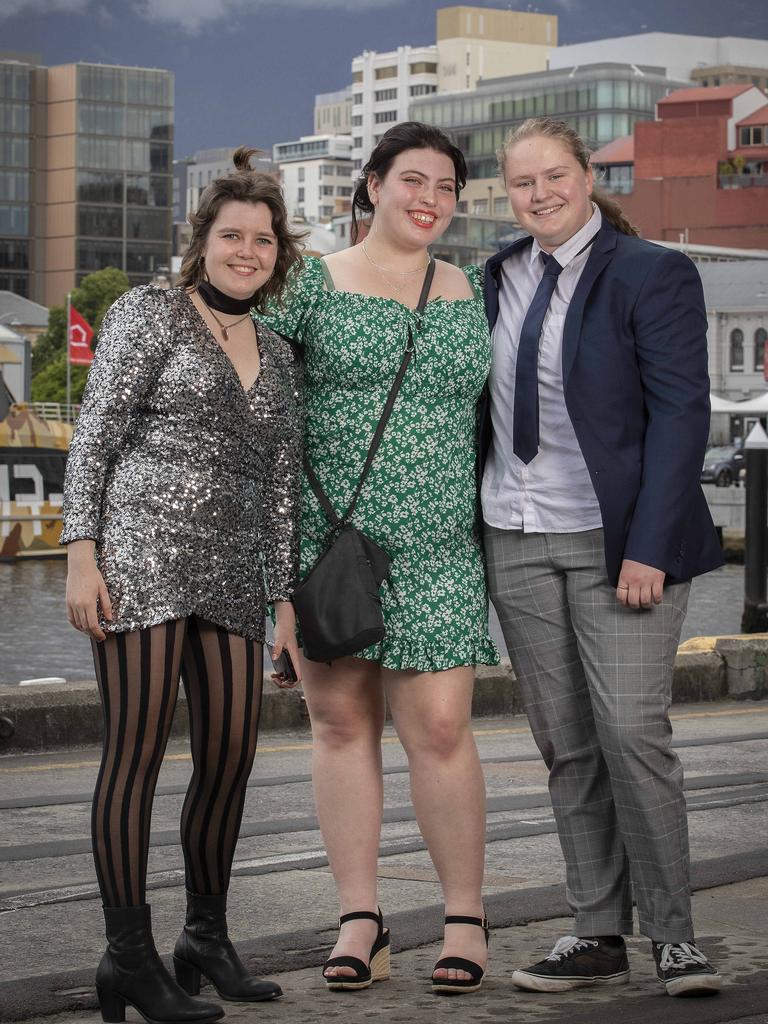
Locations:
(554, 492)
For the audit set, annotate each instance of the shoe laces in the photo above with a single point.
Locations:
(679, 954)
(568, 945)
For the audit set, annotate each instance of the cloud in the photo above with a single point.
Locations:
(14, 8)
(193, 14)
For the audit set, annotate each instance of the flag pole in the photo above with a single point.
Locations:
(69, 369)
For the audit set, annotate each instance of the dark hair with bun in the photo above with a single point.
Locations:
(243, 185)
(399, 138)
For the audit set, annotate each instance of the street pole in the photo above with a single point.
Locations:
(755, 617)
(69, 369)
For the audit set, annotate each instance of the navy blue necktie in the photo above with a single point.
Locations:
(525, 420)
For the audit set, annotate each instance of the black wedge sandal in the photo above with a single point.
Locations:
(377, 969)
(445, 987)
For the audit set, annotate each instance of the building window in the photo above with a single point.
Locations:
(422, 90)
(357, 76)
(357, 142)
(385, 116)
(343, 190)
(480, 207)
(501, 206)
(302, 172)
(357, 99)
(325, 190)
(461, 206)
(737, 350)
(760, 350)
(357, 120)
(423, 67)
(300, 196)
(385, 94)
(390, 72)
(753, 136)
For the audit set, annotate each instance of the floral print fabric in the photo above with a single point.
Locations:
(419, 501)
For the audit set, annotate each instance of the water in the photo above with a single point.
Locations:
(36, 639)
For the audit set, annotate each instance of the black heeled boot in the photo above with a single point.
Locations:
(131, 972)
(204, 948)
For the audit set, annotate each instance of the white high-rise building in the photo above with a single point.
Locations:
(315, 174)
(679, 55)
(383, 85)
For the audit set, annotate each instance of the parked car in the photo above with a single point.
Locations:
(723, 465)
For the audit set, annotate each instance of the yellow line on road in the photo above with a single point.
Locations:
(289, 747)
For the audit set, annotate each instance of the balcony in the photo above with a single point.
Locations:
(743, 180)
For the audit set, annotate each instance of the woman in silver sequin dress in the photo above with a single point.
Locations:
(181, 520)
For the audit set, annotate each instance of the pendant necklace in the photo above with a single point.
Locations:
(397, 287)
(225, 327)
(213, 300)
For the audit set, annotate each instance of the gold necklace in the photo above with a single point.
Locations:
(225, 328)
(396, 287)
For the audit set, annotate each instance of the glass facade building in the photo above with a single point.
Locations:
(86, 174)
(124, 169)
(18, 88)
(601, 101)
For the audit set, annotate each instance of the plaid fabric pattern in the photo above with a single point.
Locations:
(596, 680)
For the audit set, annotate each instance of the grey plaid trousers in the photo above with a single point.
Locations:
(596, 681)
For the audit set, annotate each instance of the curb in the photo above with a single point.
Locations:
(41, 718)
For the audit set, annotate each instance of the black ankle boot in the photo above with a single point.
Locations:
(132, 972)
(204, 948)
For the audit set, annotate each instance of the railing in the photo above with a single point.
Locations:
(743, 180)
(55, 411)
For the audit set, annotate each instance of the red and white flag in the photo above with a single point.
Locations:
(79, 335)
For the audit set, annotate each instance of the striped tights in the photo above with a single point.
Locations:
(138, 677)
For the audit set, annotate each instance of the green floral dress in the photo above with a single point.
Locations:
(419, 501)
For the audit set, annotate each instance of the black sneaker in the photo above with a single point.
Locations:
(575, 963)
(684, 970)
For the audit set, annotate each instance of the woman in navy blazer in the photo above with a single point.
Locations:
(592, 442)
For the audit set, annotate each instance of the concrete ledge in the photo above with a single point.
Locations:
(39, 718)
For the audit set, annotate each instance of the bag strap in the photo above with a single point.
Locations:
(381, 426)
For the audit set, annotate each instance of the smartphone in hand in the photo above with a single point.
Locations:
(283, 665)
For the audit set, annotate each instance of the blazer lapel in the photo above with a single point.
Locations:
(601, 255)
(492, 275)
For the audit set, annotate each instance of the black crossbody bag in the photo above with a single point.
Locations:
(337, 603)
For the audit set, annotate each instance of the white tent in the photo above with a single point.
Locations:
(751, 407)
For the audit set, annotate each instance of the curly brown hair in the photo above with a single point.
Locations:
(244, 185)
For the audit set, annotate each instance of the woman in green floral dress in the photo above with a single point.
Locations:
(350, 312)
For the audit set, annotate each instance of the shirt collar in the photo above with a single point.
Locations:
(566, 252)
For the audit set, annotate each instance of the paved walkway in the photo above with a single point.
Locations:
(731, 926)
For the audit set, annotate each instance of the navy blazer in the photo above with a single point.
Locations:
(637, 392)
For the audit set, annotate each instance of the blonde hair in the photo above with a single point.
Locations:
(551, 128)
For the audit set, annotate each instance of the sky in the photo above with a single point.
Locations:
(247, 70)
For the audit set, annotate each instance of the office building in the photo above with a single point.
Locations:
(333, 112)
(472, 43)
(85, 174)
(480, 42)
(22, 185)
(679, 55)
(315, 174)
(601, 102)
(699, 172)
(383, 85)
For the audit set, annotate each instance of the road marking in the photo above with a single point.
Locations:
(288, 748)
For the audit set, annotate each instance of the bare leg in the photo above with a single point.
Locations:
(346, 707)
(432, 715)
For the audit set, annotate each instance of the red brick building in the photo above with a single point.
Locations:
(701, 167)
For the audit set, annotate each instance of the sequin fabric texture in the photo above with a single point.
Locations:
(419, 502)
(188, 483)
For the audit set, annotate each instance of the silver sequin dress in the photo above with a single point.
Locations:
(188, 484)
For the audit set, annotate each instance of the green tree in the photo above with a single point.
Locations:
(92, 299)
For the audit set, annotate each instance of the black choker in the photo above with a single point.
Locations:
(222, 302)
